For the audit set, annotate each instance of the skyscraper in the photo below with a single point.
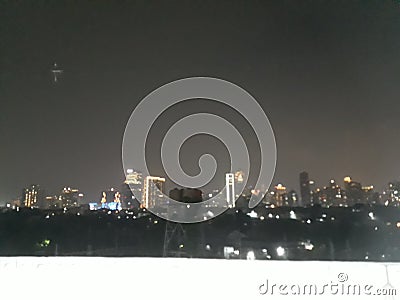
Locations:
(305, 188)
(393, 194)
(32, 196)
(52, 202)
(187, 195)
(230, 189)
(151, 191)
(111, 199)
(354, 192)
(70, 197)
(132, 189)
(135, 181)
(239, 182)
(280, 195)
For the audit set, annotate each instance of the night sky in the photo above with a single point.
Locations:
(326, 73)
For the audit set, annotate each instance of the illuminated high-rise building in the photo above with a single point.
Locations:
(230, 189)
(280, 195)
(133, 177)
(393, 194)
(32, 196)
(52, 202)
(353, 191)
(132, 189)
(70, 197)
(370, 196)
(152, 187)
(111, 199)
(313, 193)
(239, 176)
(239, 182)
(332, 195)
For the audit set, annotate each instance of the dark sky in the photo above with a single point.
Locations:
(326, 73)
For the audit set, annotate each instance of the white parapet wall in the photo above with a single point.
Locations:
(169, 278)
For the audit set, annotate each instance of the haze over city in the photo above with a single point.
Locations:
(325, 72)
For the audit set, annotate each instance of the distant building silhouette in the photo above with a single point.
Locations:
(280, 195)
(186, 195)
(70, 197)
(353, 190)
(305, 191)
(132, 189)
(52, 202)
(293, 198)
(239, 182)
(151, 192)
(393, 194)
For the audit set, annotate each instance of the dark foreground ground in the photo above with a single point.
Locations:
(353, 233)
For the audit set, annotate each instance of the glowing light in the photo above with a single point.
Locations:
(398, 225)
(253, 214)
(280, 251)
(250, 255)
(292, 215)
(347, 179)
(308, 246)
(371, 215)
(180, 246)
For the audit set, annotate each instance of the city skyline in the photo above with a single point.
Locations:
(136, 190)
